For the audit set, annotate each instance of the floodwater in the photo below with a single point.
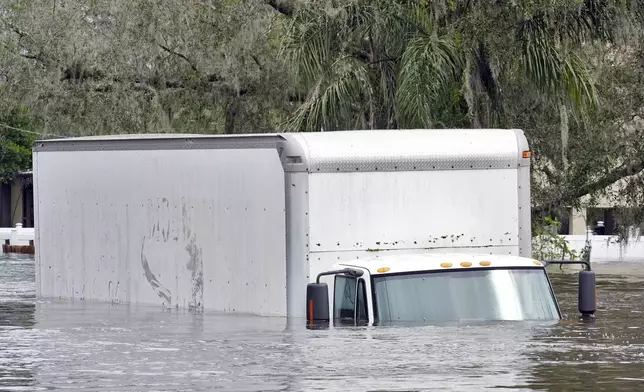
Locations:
(70, 346)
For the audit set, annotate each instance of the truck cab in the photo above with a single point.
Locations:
(429, 288)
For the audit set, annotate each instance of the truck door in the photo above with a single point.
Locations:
(350, 300)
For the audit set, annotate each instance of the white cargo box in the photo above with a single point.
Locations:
(242, 223)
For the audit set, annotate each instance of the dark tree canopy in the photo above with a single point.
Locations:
(17, 135)
(567, 72)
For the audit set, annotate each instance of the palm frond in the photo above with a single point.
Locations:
(591, 21)
(387, 85)
(310, 45)
(595, 20)
(430, 66)
(558, 74)
(335, 99)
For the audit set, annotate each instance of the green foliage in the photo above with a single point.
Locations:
(430, 69)
(426, 64)
(554, 72)
(567, 72)
(547, 244)
(15, 143)
(105, 67)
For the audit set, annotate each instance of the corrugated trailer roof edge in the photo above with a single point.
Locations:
(246, 137)
(157, 136)
(339, 151)
(146, 141)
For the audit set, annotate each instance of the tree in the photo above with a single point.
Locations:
(560, 70)
(605, 151)
(17, 135)
(97, 67)
(567, 72)
(425, 64)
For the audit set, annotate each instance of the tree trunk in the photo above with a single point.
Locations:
(232, 110)
(563, 115)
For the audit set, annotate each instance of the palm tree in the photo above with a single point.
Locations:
(417, 63)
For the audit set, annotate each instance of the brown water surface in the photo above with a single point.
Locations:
(64, 345)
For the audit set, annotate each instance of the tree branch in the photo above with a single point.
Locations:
(174, 52)
(206, 83)
(635, 167)
(256, 59)
(37, 57)
(552, 177)
(17, 30)
(77, 72)
(281, 6)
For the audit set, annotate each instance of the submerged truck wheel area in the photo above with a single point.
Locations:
(356, 226)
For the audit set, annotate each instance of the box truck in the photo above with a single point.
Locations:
(350, 226)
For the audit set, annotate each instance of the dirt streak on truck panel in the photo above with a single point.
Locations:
(165, 230)
(195, 262)
(158, 288)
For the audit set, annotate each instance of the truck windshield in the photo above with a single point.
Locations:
(490, 294)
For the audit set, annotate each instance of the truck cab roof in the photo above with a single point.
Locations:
(399, 263)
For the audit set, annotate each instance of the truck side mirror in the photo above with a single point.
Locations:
(587, 301)
(587, 294)
(317, 303)
(317, 298)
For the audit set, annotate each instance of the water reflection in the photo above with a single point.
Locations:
(17, 315)
(60, 345)
(604, 355)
